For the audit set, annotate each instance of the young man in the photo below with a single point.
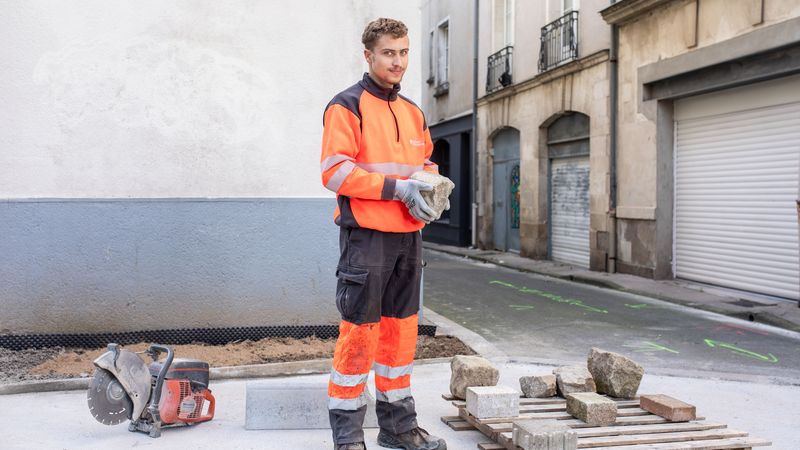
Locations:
(373, 140)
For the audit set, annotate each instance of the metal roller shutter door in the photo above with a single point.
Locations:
(570, 210)
(736, 182)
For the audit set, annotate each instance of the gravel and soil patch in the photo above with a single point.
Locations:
(59, 362)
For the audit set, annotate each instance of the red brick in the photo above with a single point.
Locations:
(667, 407)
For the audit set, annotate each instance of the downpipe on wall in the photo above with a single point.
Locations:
(474, 143)
(611, 264)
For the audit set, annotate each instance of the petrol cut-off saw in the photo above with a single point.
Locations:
(163, 394)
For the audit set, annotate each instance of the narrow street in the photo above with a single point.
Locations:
(540, 319)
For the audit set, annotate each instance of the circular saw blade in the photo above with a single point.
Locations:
(107, 399)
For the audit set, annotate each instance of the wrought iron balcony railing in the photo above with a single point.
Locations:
(559, 42)
(498, 73)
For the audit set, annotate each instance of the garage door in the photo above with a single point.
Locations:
(569, 188)
(737, 177)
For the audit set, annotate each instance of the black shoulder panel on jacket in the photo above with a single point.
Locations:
(424, 121)
(349, 98)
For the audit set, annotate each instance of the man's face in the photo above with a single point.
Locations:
(388, 60)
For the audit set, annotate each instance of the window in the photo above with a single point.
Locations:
(569, 5)
(442, 52)
(503, 24)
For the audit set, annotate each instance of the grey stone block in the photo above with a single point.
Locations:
(293, 405)
(467, 371)
(614, 374)
(592, 408)
(544, 434)
(492, 401)
(570, 379)
(442, 187)
(538, 386)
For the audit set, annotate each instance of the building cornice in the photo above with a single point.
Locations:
(626, 11)
(546, 77)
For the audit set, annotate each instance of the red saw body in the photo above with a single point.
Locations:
(168, 393)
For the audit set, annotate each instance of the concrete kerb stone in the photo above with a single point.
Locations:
(270, 370)
(486, 402)
(296, 404)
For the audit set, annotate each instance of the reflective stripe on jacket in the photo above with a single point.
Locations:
(371, 137)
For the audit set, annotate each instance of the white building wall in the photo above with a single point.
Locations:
(153, 99)
(159, 161)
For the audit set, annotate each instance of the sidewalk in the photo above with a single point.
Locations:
(61, 419)
(779, 313)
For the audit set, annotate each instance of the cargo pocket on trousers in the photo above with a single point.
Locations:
(351, 291)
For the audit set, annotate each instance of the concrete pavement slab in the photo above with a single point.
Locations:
(61, 419)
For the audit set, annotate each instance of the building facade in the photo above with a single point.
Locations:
(709, 142)
(447, 68)
(543, 126)
(652, 137)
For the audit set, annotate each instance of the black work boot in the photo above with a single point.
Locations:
(351, 446)
(414, 439)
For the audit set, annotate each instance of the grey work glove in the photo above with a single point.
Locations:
(408, 192)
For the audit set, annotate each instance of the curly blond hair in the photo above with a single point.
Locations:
(378, 27)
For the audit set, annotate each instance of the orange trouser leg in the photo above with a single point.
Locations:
(393, 364)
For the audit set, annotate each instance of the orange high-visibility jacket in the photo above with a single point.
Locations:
(373, 136)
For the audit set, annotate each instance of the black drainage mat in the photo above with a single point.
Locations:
(212, 336)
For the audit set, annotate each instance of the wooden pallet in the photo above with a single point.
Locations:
(635, 428)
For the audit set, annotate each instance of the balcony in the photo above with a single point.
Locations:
(559, 42)
(498, 73)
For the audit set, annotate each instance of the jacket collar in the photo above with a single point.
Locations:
(382, 93)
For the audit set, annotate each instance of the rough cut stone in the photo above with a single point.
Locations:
(293, 405)
(538, 386)
(667, 407)
(544, 434)
(571, 379)
(442, 187)
(492, 401)
(467, 371)
(614, 374)
(592, 408)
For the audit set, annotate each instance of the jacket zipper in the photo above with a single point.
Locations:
(396, 127)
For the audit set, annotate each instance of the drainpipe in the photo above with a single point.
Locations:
(474, 150)
(612, 143)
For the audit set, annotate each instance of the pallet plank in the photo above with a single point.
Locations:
(645, 429)
(608, 441)
(717, 444)
(616, 430)
(490, 446)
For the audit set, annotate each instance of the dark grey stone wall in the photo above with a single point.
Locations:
(84, 266)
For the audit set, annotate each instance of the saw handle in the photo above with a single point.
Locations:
(154, 351)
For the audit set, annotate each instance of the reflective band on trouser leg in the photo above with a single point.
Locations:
(393, 366)
(352, 361)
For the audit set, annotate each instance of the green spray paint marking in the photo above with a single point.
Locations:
(551, 296)
(655, 346)
(639, 306)
(769, 357)
(501, 283)
(521, 307)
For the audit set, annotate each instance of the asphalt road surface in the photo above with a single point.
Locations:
(531, 317)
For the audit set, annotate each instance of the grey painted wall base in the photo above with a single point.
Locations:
(89, 266)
